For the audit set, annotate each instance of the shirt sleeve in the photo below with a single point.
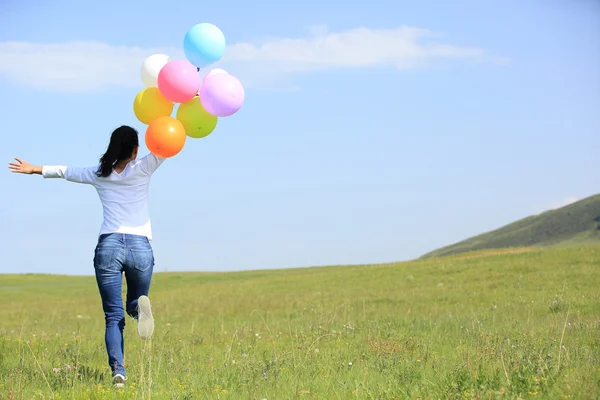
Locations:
(151, 162)
(72, 174)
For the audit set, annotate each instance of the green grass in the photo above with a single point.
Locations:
(523, 324)
(575, 224)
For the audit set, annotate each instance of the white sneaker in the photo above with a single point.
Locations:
(119, 381)
(145, 319)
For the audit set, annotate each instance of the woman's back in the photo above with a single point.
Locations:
(124, 195)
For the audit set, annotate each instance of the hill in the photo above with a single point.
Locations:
(576, 223)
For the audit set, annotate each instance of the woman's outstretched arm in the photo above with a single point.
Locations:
(23, 167)
(73, 174)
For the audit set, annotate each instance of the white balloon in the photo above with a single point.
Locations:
(151, 67)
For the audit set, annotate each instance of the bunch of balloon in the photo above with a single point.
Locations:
(165, 135)
(201, 101)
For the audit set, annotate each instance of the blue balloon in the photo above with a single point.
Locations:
(204, 44)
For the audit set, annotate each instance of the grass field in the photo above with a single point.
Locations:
(515, 324)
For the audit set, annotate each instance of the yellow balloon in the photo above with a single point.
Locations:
(198, 122)
(150, 104)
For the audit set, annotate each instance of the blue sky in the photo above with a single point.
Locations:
(372, 132)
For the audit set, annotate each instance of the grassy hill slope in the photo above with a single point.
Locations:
(573, 224)
(487, 325)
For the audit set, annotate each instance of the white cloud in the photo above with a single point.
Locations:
(91, 66)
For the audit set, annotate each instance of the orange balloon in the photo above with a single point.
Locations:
(165, 136)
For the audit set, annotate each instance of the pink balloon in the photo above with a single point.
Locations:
(222, 95)
(179, 81)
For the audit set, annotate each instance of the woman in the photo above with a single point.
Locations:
(124, 240)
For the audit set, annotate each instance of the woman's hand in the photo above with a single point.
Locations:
(23, 167)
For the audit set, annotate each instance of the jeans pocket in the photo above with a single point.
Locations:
(143, 259)
(104, 259)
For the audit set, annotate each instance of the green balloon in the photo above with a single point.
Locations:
(198, 122)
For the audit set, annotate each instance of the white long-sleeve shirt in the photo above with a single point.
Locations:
(124, 196)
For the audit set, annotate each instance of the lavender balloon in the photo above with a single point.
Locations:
(222, 95)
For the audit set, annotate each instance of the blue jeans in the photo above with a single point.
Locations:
(114, 255)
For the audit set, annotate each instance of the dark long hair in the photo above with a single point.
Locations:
(123, 141)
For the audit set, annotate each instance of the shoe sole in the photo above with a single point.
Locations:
(145, 319)
(119, 381)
